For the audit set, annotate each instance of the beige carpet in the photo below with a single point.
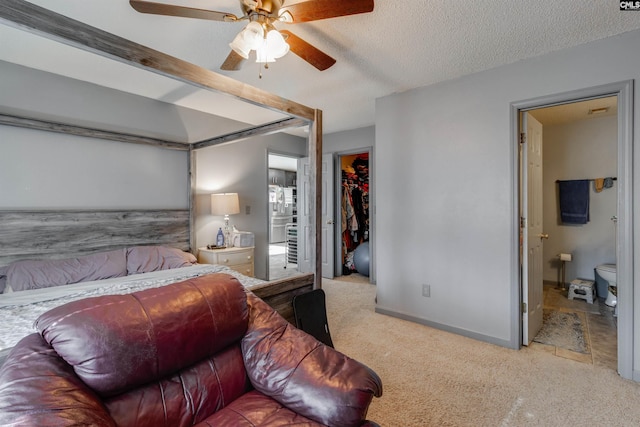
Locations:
(434, 378)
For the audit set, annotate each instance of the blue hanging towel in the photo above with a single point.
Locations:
(574, 201)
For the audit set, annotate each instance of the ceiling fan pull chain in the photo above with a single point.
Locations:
(266, 67)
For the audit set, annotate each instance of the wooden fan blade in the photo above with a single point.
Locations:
(233, 62)
(309, 53)
(186, 12)
(323, 9)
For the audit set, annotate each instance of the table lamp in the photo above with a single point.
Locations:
(225, 204)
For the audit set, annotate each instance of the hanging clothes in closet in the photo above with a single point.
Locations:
(355, 206)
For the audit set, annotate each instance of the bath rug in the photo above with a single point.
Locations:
(564, 330)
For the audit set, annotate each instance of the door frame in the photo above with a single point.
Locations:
(337, 250)
(624, 249)
(326, 215)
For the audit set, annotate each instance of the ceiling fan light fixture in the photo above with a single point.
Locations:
(240, 46)
(250, 38)
(253, 34)
(276, 45)
(263, 56)
(272, 47)
(261, 15)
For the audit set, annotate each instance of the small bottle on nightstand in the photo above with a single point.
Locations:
(220, 238)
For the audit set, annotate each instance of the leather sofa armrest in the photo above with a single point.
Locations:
(303, 374)
(39, 388)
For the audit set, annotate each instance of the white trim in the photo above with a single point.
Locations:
(625, 237)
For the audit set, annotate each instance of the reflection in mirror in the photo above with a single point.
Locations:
(282, 216)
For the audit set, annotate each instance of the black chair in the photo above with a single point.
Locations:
(310, 312)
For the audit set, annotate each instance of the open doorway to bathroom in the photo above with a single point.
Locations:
(579, 147)
(283, 215)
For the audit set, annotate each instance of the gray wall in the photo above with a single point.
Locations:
(240, 167)
(349, 140)
(46, 170)
(445, 168)
(26, 92)
(580, 150)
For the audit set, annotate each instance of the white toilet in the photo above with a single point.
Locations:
(608, 273)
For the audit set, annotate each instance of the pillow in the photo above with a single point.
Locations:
(3, 278)
(143, 259)
(31, 274)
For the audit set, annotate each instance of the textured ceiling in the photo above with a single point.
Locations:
(399, 46)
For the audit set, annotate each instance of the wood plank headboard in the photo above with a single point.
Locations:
(70, 233)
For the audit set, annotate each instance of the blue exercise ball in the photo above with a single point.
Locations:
(361, 259)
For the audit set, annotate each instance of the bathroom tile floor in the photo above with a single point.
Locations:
(601, 328)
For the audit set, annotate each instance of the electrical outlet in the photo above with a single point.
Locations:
(247, 210)
(426, 291)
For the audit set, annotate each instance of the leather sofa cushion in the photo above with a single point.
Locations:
(185, 398)
(33, 359)
(254, 409)
(305, 375)
(117, 343)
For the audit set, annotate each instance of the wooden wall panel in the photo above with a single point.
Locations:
(65, 234)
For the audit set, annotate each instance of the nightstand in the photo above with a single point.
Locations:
(238, 259)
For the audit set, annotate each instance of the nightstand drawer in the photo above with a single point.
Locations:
(235, 258)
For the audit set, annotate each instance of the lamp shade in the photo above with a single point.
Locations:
(225, 204)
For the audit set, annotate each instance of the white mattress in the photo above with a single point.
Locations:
(19, 310)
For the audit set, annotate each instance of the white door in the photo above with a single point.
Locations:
(327, 221)
(531, 229)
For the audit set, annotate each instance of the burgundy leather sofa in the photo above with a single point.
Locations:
(200, 352)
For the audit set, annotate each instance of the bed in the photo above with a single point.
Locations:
(48, 258)
(32, 287)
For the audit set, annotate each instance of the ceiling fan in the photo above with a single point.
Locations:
(260, 33)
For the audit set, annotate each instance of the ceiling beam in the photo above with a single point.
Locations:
(44, 22)
(267, 129)
(88, 132)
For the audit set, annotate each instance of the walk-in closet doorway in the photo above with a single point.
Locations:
(353, 234)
